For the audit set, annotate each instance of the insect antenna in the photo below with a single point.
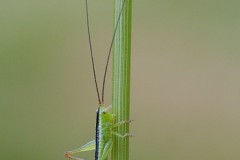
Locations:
(91, 51)
(110, 50)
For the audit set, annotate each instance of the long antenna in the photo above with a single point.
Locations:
(109, 53)
(110, 50)
(91, 50)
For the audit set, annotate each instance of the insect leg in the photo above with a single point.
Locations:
(87, 147)
(122, 136)
(107, 149)
(109, 107)
(121, 123)
(69, 156)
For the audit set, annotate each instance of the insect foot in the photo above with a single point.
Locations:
(67, 155)
(131, 120)
(130, 135)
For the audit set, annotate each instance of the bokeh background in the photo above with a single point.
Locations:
(185, 78)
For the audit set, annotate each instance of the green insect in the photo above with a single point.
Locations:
(105, 121)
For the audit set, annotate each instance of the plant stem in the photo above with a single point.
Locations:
(121, 78)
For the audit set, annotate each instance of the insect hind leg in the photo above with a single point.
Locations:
(87, 147)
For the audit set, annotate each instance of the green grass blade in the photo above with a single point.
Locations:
(121, 78)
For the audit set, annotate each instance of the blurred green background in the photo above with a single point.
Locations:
(185, 78)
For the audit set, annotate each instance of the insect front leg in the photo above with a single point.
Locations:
(87, 147)
(122, 136)
(107, 108)
(121, 123)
